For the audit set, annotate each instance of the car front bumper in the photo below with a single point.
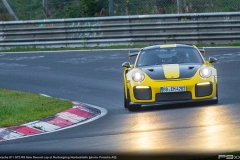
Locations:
(150, 91)
(174, 102)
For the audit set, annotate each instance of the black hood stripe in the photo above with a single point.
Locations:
(185, 71)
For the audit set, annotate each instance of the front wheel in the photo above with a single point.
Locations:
(126, 101)
(132, 107)
(216, 100)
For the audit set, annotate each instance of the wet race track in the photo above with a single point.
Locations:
(95, 77)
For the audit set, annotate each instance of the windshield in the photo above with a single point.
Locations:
(161, 56)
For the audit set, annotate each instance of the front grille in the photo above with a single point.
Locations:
(142, 94)
(173, 96)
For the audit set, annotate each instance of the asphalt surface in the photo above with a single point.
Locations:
(95, 77)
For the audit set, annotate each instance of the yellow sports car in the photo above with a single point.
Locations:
(171, 73)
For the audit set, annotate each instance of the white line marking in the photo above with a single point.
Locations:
(45, 95)
(12, 135)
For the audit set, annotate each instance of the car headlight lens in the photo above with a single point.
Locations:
(205, 72)
(138, 76)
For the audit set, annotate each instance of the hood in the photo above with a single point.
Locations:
(171, 71)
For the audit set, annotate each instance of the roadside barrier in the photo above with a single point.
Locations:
(221, 27)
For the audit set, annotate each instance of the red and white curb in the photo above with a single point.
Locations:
(79, 114)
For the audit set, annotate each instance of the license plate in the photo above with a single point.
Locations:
(173, 89)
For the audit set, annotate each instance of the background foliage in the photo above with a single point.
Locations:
(56, 9)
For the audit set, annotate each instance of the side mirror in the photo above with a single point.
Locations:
(212, 60)
(126, 65)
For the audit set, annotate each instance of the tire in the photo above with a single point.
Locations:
(216, 100)
(126, 101)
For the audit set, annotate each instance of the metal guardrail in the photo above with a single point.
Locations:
(221, 27)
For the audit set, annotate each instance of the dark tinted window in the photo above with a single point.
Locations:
(169, 56)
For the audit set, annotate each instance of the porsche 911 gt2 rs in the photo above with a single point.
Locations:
(170, 73)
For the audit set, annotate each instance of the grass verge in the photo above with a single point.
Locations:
(22, 49)
(18, 108)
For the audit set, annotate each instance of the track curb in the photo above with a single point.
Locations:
(79, 114)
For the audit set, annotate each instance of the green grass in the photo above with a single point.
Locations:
(18, 108)
(218, 45)
(23, 49)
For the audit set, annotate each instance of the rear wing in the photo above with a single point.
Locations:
(202, 50)
(132, 54)
(135, 53)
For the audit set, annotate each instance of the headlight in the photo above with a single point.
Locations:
(205, 72)
(138, 76)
